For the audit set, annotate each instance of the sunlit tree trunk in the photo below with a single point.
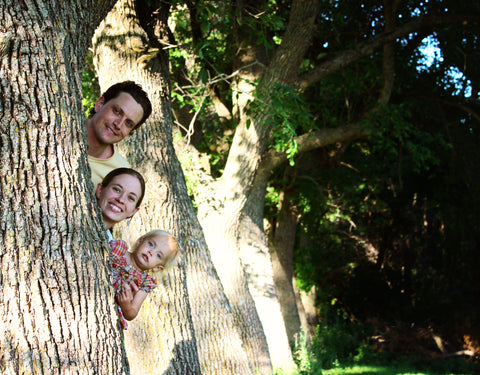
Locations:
(187, 323)
(56, 306)
(255, 256)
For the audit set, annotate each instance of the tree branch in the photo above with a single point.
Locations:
(312, 141)
(367, 48)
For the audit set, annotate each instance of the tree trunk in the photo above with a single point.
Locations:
(56, 303)
(281, 250)
(221, 216)
(256, 259)
(190, 314)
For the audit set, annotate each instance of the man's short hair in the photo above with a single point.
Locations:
(135, 91)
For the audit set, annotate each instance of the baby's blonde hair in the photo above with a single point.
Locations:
(173, 255)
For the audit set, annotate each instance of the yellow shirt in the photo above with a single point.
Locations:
(101, 167)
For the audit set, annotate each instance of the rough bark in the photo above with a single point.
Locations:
(56, 304)
(189, 320)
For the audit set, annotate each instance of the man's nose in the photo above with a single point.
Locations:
(118, 123)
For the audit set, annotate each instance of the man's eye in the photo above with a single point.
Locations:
(116, 189)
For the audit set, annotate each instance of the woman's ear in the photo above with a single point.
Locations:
(134, 212)
(98, 190)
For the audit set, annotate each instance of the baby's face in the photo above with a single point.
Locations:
(152, 252)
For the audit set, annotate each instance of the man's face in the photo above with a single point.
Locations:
(115, 119)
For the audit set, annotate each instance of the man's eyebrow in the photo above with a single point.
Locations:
(117, 106)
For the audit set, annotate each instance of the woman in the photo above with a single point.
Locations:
(119, 195)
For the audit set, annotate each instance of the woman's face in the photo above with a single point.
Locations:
(118, 200)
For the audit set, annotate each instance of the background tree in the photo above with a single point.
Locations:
(56, 307)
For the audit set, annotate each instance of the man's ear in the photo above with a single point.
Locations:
(99, 103)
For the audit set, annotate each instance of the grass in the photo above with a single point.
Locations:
(373, 370)
(385, 370)
(405, 366)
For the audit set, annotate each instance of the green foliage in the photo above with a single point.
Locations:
(333, 345)
(305, 359)
(192, 180)
(340, 348)
(287, 112)
(400, 141)
(90, 87)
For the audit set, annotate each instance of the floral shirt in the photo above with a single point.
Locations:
(123, 271)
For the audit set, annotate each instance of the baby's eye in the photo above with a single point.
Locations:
(150, 243)
(159, 256)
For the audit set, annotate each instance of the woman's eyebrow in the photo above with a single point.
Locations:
(133, 193)
(121, 187)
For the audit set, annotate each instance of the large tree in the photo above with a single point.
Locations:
(56, 306)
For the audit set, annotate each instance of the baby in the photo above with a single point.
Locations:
(155, 251)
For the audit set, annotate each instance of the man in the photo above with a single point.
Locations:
(116, 114)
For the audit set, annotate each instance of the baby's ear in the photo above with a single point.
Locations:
(158, 268)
